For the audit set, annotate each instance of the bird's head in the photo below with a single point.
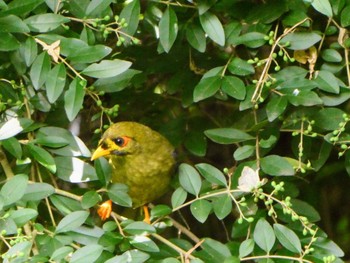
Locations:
(119, 140)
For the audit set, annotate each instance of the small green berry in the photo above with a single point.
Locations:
(240, 220)
(277, 68)
(99, 103)
(97, 131)
(266, 38)
(250, 219)
(106, 18)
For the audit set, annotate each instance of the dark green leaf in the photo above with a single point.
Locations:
(196, 37)
(144, 243)
(228, 135)
(251, 40)
(90, 199)
(72, 221)
(74, 170)
(211, 174)
(96, 8)
(304, 209)
(107, 68)
(64, 204)
(216, 251)
(117, 83)
(328, 247)
(264, 235)
(240, 67)
(29, 51)
(8, 42)
(38, 191)
(51, 141)
(189, 179)
(301, 40)
(201, 209)
(305, 98)
(213, 27)
(13, 147)
(55, 82)
(328, 119)
(103, 170)
(42, 156)
(275, 107)
(133, 255)
(131, 13)
(89, 253)
(40, 70)
(345, 17)
(45, 22)
(179, 197)
(23, 216)
(204, 6)
(332, 55)
(233, 87)
(196, 143)
(222, 206)
(246, 247)
(276, 165)
(12, 24)
(14, 189)
(327, 81)
(20, 7)
(160, 211)
(244, 152)
(206, 88)
(287, 238)
(139, 228)
(168, 29)
(90, 54)
(118, 194)
(73, 98)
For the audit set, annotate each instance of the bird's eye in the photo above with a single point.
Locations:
(121, 141)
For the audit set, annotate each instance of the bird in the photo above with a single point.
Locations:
(141, 158)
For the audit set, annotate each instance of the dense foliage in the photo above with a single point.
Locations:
(253, 94)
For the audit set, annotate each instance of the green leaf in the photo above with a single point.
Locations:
(332, 55)
(131, 14)
(301, 40)
(61, 253)
(251, 40)
(189, 179)
(323, 6)
(107, 68)
(276, 165)
(10, 128)
(20, 7)
(305, 98)
(12, 24)
(65, 205)
(55, 82)
(144, 243)
(96, 8)
(29, 51)
(117, 83)
(160, 211)
(328, 247)
(168, 29)
(40, 70)
(73, 98)
(38, 191)
(103, 170)
(287, 238)
(206, 88)
(42, 156)
(8, 42)
(179, 197)
(211, 174)
(345, 17)
(233, 87)
(118, 194)
(228, 135)
(328, 119)
(13, 147)
(89, 54)
(72, 221)
(139, 228)
(215, 251)
(275, 107)
(246, 247)
(201, 209)
(196, 37)
(14, 189)
(196, 143)
(87, 254)
(222, 206)
(51, 141)
(23, 216)
(45, 22)
(74, 170)
(133, 255)
(264, 235)
(213, 27)
(304, 209)
(240, 67)
(90, 199)
(204, 6)
(327, 82)
(244, 152)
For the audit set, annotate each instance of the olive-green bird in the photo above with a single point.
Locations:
(141, 158)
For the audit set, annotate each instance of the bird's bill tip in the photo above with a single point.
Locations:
(99, 152)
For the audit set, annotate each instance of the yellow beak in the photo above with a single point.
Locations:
(99, 152)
